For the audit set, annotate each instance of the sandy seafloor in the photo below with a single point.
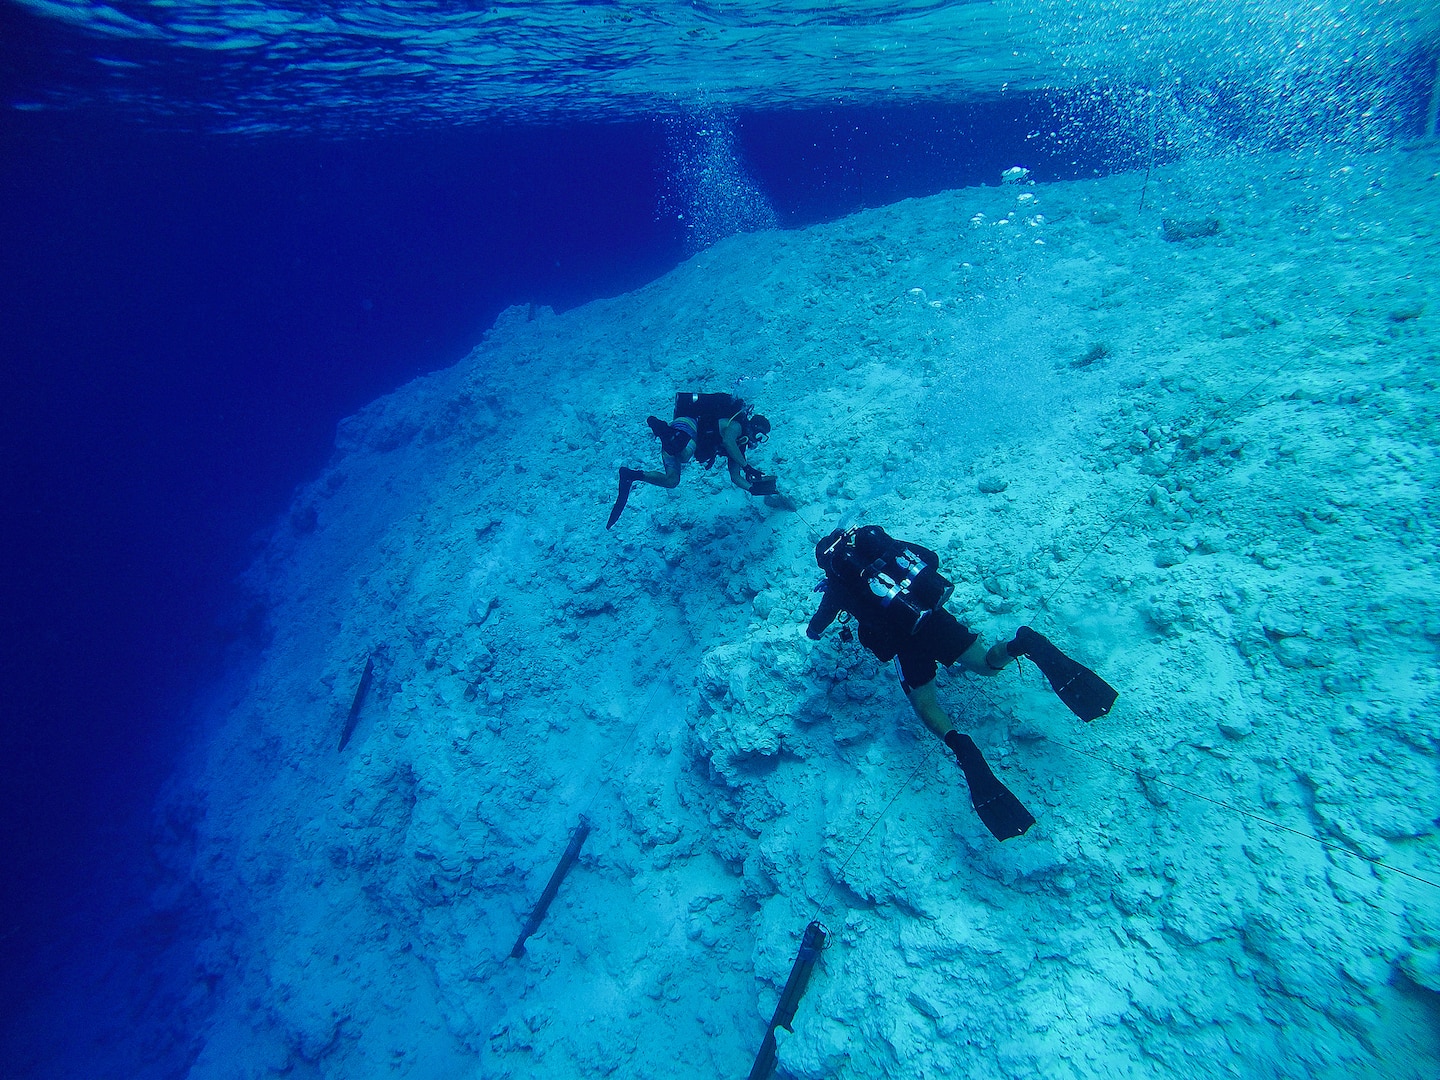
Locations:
(1218, 462)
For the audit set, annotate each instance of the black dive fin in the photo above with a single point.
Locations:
(1003, 814)
(627, 481)
(1084, 693)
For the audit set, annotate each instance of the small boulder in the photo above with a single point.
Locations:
(992, 483)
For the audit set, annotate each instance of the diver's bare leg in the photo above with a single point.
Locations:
(927, 707)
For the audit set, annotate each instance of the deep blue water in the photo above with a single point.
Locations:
(186, 318)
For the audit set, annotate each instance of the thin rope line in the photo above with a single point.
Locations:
(1130, 507)
(835, 878)
(900, 791)
(597, 784)
(809, 524)
(1255, 817)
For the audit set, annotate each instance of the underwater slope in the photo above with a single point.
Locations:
(1200, 455)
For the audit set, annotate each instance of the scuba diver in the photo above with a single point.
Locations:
(896, 594)
(704, 427)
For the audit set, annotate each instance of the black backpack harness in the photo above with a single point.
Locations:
(902, 589)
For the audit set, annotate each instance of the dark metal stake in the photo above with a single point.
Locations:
(537, 914)
(810, 946)
(360, 692)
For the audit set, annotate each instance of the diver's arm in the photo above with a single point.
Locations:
(729, 434)
(824, 615)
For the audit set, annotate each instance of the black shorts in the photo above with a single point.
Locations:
(940, 640)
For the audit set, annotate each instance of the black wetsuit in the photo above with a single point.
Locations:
(940, 638)
(707, 410)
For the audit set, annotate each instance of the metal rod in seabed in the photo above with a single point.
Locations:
(810, 947)
(360, 692)
(537, 914)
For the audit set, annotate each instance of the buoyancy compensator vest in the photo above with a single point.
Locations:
(899, 584)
